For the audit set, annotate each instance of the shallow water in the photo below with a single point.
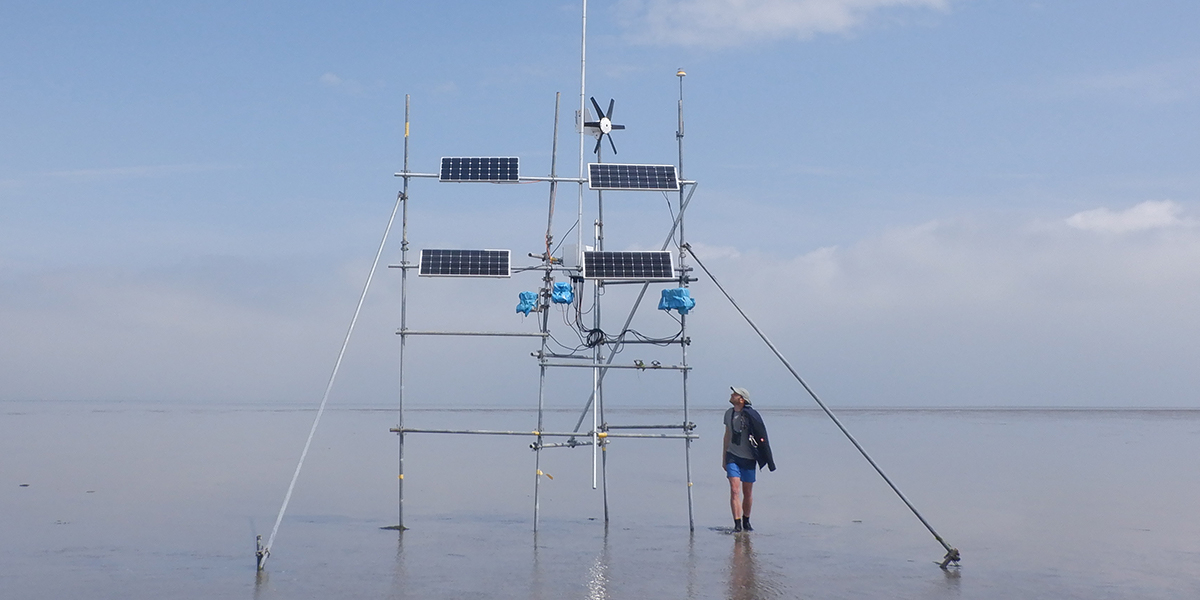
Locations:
(125, 501)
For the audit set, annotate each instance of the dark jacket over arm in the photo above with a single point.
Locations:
(758, 438)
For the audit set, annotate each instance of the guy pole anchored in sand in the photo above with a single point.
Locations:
(262, 552)
(952, 554)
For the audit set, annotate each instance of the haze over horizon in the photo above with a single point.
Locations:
(923, 202)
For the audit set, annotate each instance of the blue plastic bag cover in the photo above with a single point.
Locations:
(563, 293)
(678, 299)
(528, 301)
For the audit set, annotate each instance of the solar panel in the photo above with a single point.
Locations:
(464, 263)
(608, 176)
(479, 169)
(628, 265)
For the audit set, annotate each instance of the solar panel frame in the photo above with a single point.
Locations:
(644, 265)
(486, 169)
(441, 262)
(615, 176)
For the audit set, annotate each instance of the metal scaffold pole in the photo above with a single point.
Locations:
(601, 440)
(683, 282)
(403, 323)
(547, 281)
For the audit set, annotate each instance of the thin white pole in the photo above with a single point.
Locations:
(266, 551)
(687, 443)
(403, 327)
(582, 129)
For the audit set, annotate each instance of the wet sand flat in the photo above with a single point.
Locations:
(147, 501)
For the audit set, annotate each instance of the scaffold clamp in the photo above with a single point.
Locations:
(952, 556)
(260, 553)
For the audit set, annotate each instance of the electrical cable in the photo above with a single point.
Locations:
(564, 237)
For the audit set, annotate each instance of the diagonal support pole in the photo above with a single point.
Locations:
(265, 551)
(952, 554)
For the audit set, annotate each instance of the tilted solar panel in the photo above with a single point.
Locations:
(653, 264)
(479, 169)
(464, 263)
(610, 176)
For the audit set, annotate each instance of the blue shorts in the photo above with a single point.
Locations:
(743, 468)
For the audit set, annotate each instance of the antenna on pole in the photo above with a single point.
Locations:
(579, 118)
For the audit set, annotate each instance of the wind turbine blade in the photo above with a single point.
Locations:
(611, 102)
(614, 146)
(597, 105)
(598, 140)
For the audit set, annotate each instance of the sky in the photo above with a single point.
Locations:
(921, 202)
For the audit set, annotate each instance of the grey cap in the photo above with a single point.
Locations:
(743, 392)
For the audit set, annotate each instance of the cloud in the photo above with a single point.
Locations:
(950, 312)
(969, 312)
(732, 22)
(1142, 217)
(138, 171)
(1162, 83)
(232, 330)
(711, 251)
(218, 329)
(334, 81)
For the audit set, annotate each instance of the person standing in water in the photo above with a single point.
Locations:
(744, 450)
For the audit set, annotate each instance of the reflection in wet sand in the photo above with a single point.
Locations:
(537, 579)
(691, 565)
(951, 582)
(597, 584)
(64, 540)
(744, 582)
(400, 570)
(261, 580)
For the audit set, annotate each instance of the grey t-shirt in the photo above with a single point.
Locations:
(738, 444)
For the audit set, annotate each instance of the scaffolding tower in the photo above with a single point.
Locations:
(584, 271)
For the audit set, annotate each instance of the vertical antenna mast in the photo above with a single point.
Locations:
(580, 119)
(579, 230)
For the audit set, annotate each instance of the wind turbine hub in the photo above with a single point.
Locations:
(605, 125)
